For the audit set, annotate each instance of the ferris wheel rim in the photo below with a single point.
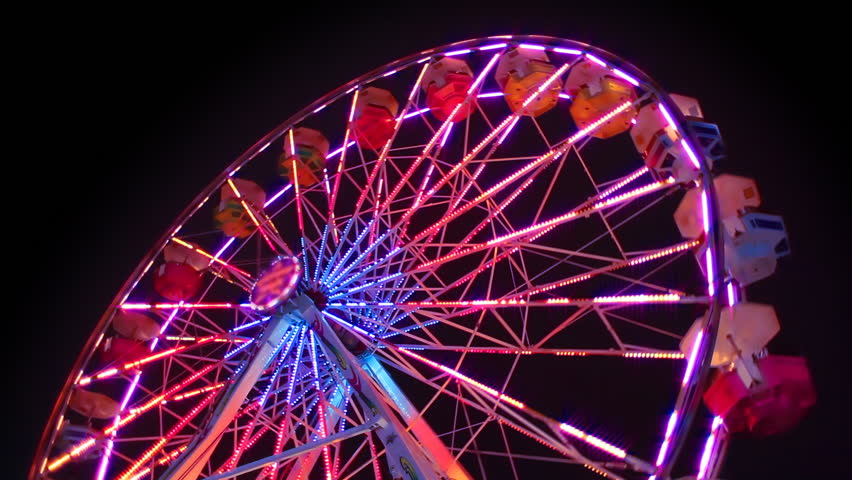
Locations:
(278, 131)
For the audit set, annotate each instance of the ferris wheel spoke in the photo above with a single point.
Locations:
(289, 339)
(514, 408)
(443, 131)
(128, 366)
(541, 160)
(629, 351)
(157, 446)
(382, 157)
(603, 218)
(234, 274)
(265, 227)
(510, 120)
(437, 248)
(530, 232)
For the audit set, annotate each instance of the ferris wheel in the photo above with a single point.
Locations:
(501, 258)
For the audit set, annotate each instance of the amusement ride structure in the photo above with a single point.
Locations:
(423, 273)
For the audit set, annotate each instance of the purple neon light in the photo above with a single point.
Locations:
(418, 112)
(626, 77)
(690, 154)
(347, 324)
(564, 95)
(457, 52)
(708, 448)
(570, 51)
(531, 46)
(508, 129)
(711, 275)
(596, 59)
(693, 355)
(664, 448)
(667, 116)
(338, 151)
(490, 94)
(446, 134)
(224, 247)
(705, 217)
(104, 464)
(492, 46)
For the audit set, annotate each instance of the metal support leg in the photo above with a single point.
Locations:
(189, 465)
(406, 458)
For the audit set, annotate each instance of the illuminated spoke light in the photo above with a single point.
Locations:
(609, 191)
(212, 258)
(460, 376)
(127, 474)
(709, 444)
(248, 211)
(553, 222)
(664, 448)
(165, 306)
(690, 154)
(547, 157)
(138, 363)
(593, 440)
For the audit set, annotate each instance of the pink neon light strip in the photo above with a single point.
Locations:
(617, 299)
(593, 440)
(570, 51)
(539, 161)
(690, 154)
(668, 116)
(633, 176)
(538, 227)
(85, 445)
(416, 113)
(446, 134)
(635, 261)
(165, 438)
(339, 150)
(167, 458)
(693, 354)
(707, 454)
(251, 215)
(431, 144)
(460, 376)
(626, 77)
(664, 448)
(492, 46)
(508, 130)
(321, 420)
(298, 206)
(138, 363)
(596, 60)
(558, 353)
(211, 257)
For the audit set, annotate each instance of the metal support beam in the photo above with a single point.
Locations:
(305, 464)
(189, 465)
(301, 449)
(422, 430)
(406, 458)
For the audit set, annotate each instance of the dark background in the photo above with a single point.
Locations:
(123, 118)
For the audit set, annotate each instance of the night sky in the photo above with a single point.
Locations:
(127, 120)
